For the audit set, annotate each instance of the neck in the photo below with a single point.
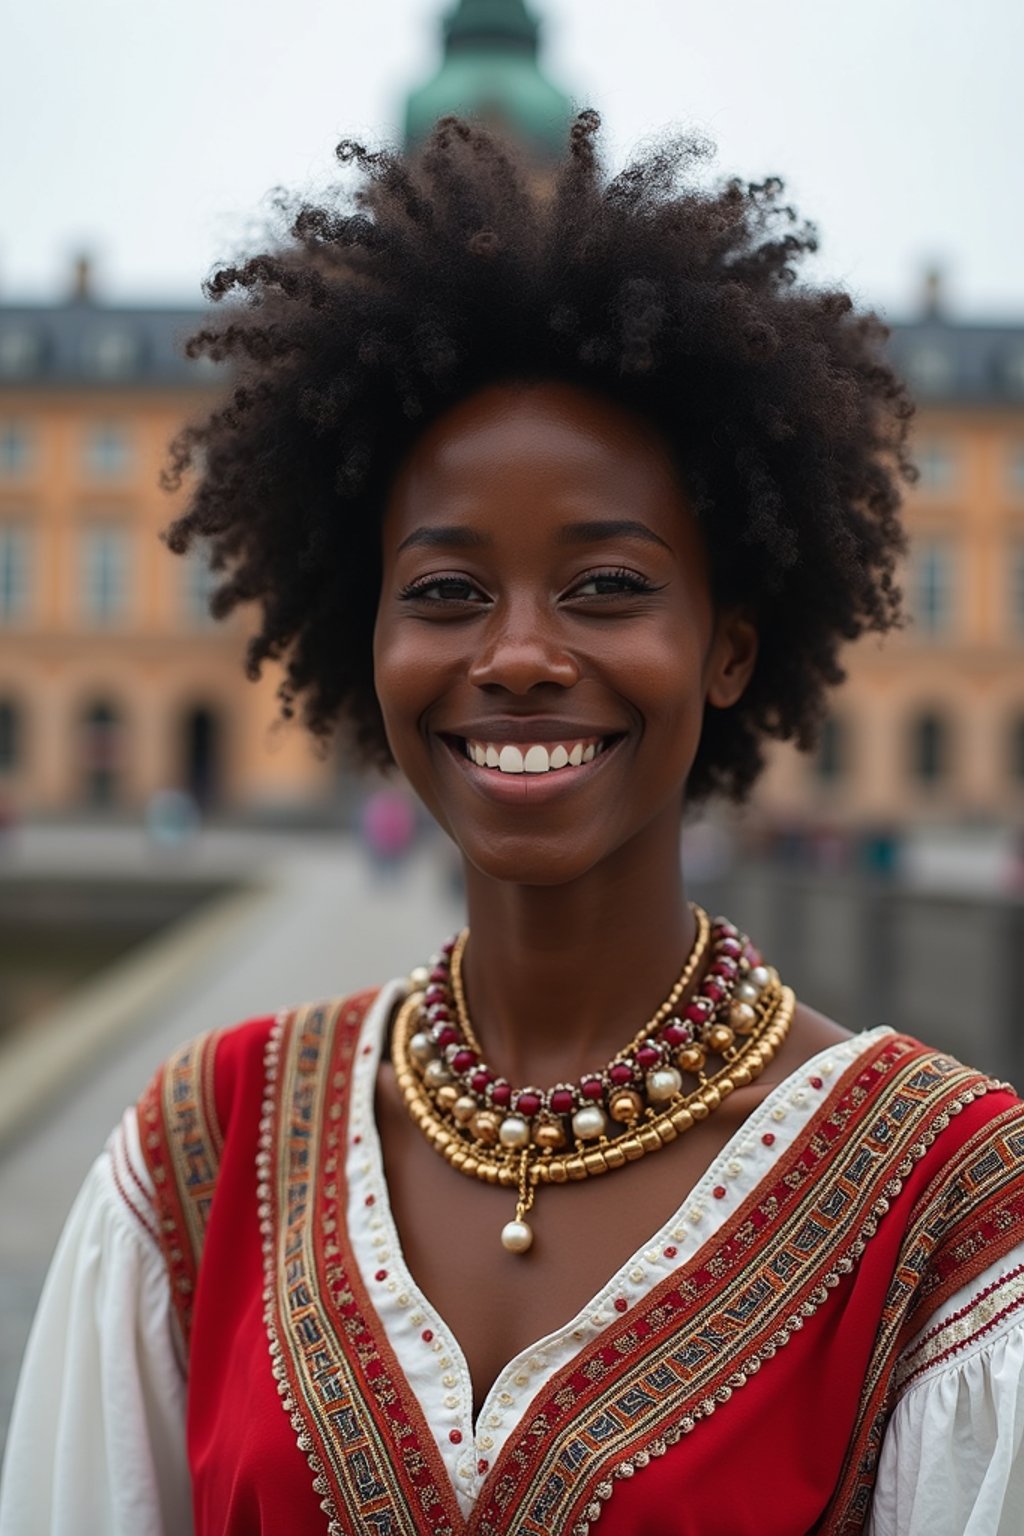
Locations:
(559, 978)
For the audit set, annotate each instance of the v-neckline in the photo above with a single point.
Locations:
(730, 1177)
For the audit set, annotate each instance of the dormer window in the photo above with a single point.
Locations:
(20, 352)
(112, 353)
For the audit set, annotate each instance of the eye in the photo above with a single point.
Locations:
(442, 589)
(612, 583)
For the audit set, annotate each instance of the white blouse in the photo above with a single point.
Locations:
(97, 1437)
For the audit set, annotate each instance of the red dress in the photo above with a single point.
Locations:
(747, 1393)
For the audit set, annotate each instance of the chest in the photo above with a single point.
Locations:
(499, 1304)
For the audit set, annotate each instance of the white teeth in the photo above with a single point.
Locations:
(535, 758)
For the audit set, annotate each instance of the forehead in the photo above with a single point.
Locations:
(541, 447)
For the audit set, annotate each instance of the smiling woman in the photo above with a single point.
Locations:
(562, 500)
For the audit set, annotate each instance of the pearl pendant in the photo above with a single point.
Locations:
(663, 1084)
(421, 1048)
(589, 1122)
(419, 977)
(516, 1236)
(514, 1133)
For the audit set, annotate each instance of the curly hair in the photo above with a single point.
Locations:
(448, 270)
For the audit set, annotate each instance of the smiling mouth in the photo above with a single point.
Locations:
(536, 758)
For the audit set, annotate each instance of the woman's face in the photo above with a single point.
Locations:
(546, 605)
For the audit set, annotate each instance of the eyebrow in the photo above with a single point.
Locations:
(594, 531)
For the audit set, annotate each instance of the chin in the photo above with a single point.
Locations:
(529, 861)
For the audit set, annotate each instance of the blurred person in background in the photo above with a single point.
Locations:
(563, 498)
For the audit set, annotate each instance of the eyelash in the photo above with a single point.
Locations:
(632, 584)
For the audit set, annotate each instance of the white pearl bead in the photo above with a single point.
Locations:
(418, 978)
(514, 1132)
(422, 1048)
(746, 992)
(760, 976)
(516, 1236)
(436, 1074)
(589, 1122)
(663, 1083)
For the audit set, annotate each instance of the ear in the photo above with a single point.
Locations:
(732, 657)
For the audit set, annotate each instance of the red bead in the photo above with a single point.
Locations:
(621, 1303)
(480, 1080)
(768, 1138)
(592, 1088)
(528, 1104)
(713, 991)
(447, 1036)
(482, 1465)
(501, 1094)
(370, 1200)
(427, 1335)
(356, 1140)
(647, 1056)
(435, 994)
(719, 1191)
(381, 1274)
(448, 947)
(367, 1049)
(816, 1082)
(700, 1009)
(562, 1101)
(729, 946)
(622, 1072)
(455, 1436)
(439, 1014)
(675, 1034)
(726, 968)
(463, 1060)
(671, 1252)
(439, 973)
(753, 955)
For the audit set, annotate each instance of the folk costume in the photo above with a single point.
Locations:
(827, 1336)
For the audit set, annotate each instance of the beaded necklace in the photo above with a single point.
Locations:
(520, 1138)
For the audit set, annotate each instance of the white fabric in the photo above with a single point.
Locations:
(97, 1440)
(97, 1437)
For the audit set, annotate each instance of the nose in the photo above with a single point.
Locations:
(523, 649)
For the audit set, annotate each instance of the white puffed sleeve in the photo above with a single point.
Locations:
(97, 1437)
(952, 1461)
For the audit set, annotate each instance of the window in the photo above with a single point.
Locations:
(932, 586)
(104, 574)
(1016, 594)
(936, 465)
(930, 748)
(200, 582)
(833, 747)
(112, 353)
(930, 369)
(15, 448)
(108, 451)
(20, 353)
(101, 754)
(14, 573)
(10, 736)
(1016, 744)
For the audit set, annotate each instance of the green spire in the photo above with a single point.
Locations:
(490, 72)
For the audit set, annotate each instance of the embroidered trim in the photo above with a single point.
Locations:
(181, 1143)
(372, 1457)
(140, 1215)
(808, 1230)
(965, 1327)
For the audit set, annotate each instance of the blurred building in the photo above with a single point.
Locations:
(115, 684)
(929, 729)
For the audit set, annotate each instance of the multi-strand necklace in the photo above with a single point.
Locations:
(653, 1090)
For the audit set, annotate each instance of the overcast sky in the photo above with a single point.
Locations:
(150, 131)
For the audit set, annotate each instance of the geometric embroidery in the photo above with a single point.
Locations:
(182, 1144)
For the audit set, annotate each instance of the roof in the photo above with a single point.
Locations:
(85, 344)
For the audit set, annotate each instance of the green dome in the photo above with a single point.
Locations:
(490, 72)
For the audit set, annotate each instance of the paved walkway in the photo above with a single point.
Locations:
(325, 926)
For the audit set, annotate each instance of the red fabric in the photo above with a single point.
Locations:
(765, 1463)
